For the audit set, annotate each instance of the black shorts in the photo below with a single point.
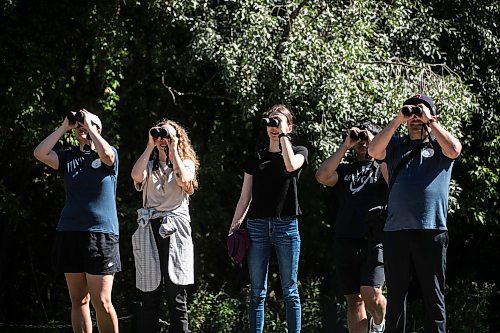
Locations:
(86, 252)
(359, 263)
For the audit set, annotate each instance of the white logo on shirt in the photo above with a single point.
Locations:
(427, 152)
(96, 163)
(359, 179)
(72, 165)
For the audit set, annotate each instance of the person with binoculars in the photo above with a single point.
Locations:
(360, 187)
(86, 243)
(163, 246)
(269, 200)
(415, 233)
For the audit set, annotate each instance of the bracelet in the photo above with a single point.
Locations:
(283, 135)
(430, 121)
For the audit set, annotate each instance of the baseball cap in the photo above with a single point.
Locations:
(95, 120)
(419, 98)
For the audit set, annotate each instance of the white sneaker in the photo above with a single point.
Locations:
(377, 328)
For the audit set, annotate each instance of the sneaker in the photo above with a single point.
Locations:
(377, 328)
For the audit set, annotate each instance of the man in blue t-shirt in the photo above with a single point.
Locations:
(415, 233)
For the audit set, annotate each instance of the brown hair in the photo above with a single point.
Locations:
(186, 151)
(280, 108)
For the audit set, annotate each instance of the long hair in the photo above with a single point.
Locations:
(186, 151)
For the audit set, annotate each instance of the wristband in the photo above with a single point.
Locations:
(283, 135)
(430, 121)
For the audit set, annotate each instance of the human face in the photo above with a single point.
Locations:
(82, 134)
(361, 150)
(414, 124)
(283, 127)
(163, 143)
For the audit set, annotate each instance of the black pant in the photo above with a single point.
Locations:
(426, 251)
(176, 295)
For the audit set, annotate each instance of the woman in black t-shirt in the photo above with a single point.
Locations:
(269, 196)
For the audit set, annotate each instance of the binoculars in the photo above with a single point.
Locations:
(412, 110)
(75, 116)
(361, 135)
(159, 132)
(271, 122)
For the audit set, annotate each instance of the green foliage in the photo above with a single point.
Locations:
(468, 306)
(219, 312)
(308, 55)
(310, 300)
(209, 312)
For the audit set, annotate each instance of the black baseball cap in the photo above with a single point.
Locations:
(419, 98)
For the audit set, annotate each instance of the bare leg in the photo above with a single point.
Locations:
(80, 300)
(100, 291)
(375, 302)
(356, 314)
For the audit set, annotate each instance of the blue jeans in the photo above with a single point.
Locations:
(283, 233)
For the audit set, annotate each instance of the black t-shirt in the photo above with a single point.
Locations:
(274, 190)
(360, 187)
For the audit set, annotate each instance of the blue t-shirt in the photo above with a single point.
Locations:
(419, 196)
(90, 187)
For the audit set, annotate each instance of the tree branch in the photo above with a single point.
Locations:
(286, 31)
(174, 92)
(399, 63)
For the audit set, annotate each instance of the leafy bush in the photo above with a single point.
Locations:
(217, 311)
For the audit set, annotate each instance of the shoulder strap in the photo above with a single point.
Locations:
(145, 188)
(404, 161)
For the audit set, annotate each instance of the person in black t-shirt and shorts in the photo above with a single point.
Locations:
(360, 187)
(269, 195)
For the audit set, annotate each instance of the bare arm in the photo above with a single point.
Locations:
(243, 203)
(44, 151)
(327, 172)
(292, 161)
(183, 176)
(449, 144)
(139, 169)
(103, 148)
(385, 173)
(381, 140)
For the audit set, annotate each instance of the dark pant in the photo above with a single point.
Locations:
(176, 295)
(425, 250)
(360, 262)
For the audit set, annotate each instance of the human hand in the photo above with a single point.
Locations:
(67, 125)
(234, 226)
(152, 140)
(283, 126)
(87, 119)
(426, 113)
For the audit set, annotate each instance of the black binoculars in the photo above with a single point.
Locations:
(362, 135)
(159, 132)
(75, 116)
(271, 122)
(412, 110)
